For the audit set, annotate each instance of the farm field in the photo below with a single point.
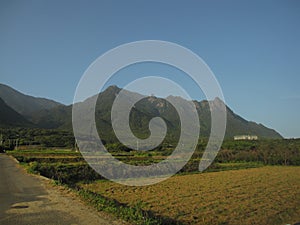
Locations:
(227, 193)
(265, 195)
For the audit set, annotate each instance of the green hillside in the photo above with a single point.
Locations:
(24, 104)
(58, 116)
(10, 118)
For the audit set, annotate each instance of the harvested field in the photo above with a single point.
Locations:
(266, 195)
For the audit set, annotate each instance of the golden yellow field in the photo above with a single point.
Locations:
(266, 195)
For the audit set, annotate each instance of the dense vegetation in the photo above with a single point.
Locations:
(31, 146)
(14, 138)
(266, 151)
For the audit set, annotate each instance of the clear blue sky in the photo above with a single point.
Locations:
(253, 47)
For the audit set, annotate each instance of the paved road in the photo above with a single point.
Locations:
(24, 199)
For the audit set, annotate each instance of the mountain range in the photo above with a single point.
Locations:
(20, 110)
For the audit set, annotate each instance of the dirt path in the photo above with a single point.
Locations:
(28, 199)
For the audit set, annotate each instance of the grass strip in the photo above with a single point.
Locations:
(134, 214)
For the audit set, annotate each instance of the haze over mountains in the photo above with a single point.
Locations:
(19, 110)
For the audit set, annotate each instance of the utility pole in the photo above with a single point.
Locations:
(17, 141)
(75, 146)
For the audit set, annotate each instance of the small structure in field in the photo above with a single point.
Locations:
(245, 137)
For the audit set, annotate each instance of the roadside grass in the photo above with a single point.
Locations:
(133, 213)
